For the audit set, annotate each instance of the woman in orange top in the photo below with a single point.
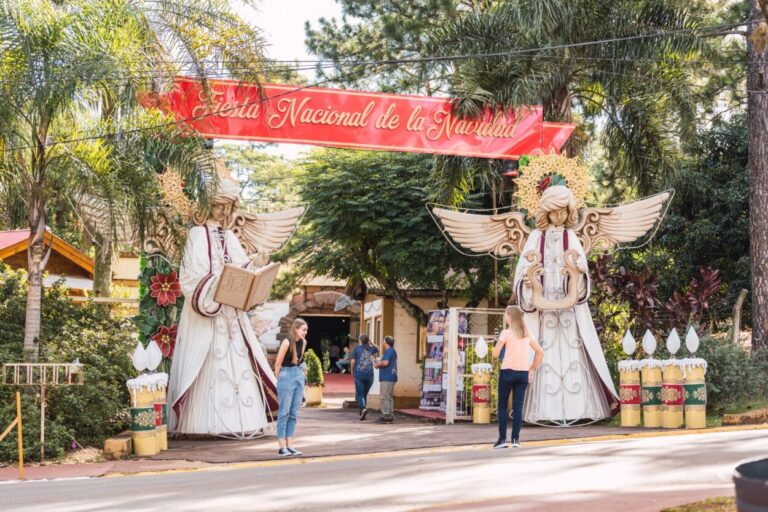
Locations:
(516, 372)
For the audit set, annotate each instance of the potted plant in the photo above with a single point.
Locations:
(314, 390)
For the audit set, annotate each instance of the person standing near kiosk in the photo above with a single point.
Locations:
(387, 377)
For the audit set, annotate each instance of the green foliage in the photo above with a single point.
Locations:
(268, 181)
(367, 219)
(637, 90)
(710, 212)
(88, 413)
(734, 376)
(314, 369)
(376, 30)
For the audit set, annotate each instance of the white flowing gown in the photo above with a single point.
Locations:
(220, 381)
(573, 383)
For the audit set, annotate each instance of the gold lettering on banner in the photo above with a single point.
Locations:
(293, 112)
(446, 126)
(415, 121)
(247, 109)
(388, 120)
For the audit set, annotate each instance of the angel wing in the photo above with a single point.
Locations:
(607, 227)
(499, 235)
(265, 232)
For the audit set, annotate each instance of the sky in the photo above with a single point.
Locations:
(282, 22)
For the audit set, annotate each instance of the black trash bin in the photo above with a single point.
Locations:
(751, 479)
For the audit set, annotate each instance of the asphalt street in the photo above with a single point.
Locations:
(630, 474)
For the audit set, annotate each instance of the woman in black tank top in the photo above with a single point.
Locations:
(291, 379)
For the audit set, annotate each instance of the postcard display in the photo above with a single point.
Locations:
(434, 389)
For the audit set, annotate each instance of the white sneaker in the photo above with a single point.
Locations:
(515, 443)
(293, 451)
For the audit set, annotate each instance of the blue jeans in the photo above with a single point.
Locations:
(515, 382)
(290, 392)
(363, 383)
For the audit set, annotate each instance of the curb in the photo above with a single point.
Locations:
(230, 466)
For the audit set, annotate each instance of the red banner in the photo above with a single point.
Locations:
(358, 120)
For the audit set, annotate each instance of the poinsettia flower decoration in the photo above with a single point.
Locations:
(165, 337)
(165, 288)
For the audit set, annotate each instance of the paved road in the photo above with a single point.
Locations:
(628, 475)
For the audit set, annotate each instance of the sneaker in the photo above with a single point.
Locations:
(515, 443)
(389, 419)
(501, 443)
(382, 419)
(294, 451)
(284, 452)
(363, 414)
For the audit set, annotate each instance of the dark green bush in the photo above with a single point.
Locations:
(88, 413)
(734, 376)
(314, 368)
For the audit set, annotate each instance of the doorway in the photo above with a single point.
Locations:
(324, 331)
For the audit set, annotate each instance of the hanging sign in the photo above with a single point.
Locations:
(357, 120)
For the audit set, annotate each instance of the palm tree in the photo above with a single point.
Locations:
(636, 86)
(71, 72)
(158, 41)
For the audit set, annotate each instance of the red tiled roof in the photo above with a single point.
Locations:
(9, 238)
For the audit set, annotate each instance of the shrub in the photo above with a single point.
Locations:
(314, 369)
(88, 413)
(734, 376)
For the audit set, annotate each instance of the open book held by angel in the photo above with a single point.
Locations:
(551, 284)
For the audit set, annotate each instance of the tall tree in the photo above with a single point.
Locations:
(367, 221)
(584, 60)
(381, 30)
(757, 108)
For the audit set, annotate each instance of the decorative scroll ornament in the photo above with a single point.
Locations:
(536, 270)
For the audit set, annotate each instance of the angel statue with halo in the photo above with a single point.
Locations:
(551, 281)
(220, 381)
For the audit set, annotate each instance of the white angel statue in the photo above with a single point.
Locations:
(551, 284)
(220, 381)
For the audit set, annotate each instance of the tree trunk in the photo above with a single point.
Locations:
(757, 108)
(36, 258)
(412, 309)
(102, 267)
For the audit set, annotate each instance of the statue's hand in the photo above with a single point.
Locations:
(259, 259)
(526, 281)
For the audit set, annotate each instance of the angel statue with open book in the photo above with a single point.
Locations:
(551, 283)
(220, 381)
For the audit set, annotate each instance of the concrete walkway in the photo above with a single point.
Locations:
(324, 432)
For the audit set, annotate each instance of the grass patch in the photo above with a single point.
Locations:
(746, 407)
(723, 504)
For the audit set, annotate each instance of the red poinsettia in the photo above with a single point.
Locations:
(166, 288)
(165, 337)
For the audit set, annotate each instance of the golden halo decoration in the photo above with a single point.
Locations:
(172, 190)
(572, 170)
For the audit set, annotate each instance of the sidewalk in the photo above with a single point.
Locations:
(330, 431)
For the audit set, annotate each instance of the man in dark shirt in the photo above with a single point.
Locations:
(387, 377)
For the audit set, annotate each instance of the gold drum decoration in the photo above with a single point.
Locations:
(672, 396)
(630, 393)
(650, 392)
(695, 390)
(481, 393)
